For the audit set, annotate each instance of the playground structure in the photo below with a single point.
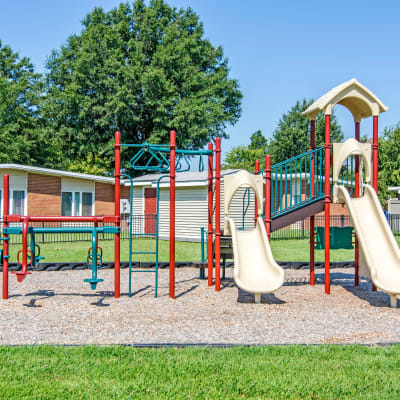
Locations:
(168, 160)
(161, 158)
(285, 202)
(377, 255)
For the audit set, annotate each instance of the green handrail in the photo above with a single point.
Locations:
(245, 206)
(296, 182)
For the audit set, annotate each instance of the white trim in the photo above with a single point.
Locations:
(56, 172)
(143, 200)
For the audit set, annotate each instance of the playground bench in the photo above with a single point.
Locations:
(226, 254)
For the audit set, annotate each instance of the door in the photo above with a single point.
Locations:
(150, 210)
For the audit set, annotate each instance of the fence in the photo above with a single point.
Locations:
(301, 229)
(144, 227)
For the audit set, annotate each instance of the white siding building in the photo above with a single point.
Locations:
(191, 203)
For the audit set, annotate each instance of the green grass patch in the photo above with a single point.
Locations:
(278, 372)
(283, 250)
(78, 251)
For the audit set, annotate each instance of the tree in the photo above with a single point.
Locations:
(141, 70)
(389, 162)
(292, 135)
(244, 157)
(20, 99)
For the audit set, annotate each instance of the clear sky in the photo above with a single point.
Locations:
(280, 51)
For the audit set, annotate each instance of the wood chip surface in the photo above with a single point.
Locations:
(59, 308)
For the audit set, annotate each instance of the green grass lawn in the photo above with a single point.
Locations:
(283, 250)
(276, 372)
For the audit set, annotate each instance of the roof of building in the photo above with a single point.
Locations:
(188, 178)
(56, 172)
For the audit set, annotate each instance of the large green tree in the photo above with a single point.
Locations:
(141, 69)
(20, 99)
(244, 157)
(292, 135)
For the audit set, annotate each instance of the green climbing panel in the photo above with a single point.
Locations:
(340, 238)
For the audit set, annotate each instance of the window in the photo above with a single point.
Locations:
(18, 204)
(87, 204)
(77, 204)
(66, 204)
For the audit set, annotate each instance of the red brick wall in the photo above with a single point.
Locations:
(44, 195)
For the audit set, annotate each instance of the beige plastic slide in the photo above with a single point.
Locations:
(380, 254)
(255, 269)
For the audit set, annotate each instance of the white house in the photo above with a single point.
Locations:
(191, 203)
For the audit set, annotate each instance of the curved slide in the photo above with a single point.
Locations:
(255, 269)
(380, 254)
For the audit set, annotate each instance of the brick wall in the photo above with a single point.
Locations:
(104, 199)
(44, 195)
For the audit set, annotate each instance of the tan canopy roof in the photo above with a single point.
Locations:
(359, 100)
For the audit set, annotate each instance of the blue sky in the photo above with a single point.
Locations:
(279, 51)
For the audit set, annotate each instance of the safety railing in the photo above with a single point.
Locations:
(297, 182)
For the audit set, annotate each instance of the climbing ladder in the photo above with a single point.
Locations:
(153, 158)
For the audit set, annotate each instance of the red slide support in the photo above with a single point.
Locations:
(312, 218)
(256, 170)
(267, 210)
(357, 194)
(217, 214)
(327, 201)
(210, 215)
(172, 178)
(117, 197)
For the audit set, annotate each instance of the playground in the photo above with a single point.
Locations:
(252, 299)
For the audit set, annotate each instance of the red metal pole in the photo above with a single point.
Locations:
(217, 213)
(6, 191)
(267, 211)
(357, 194)
(210, 214)
(375, 147)
(117, 196)
(256, 169)
(312, 218)
(327, 200)
(172, 177)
